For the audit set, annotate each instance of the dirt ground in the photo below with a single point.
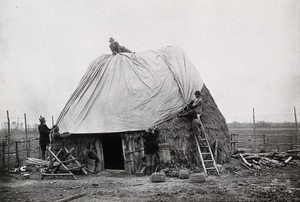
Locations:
(236, 183)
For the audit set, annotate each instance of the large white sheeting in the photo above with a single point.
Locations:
(128, 92)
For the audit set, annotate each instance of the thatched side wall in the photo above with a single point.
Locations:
(215, 125)
(178, 132)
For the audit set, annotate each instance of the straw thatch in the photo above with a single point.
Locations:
(178, 132)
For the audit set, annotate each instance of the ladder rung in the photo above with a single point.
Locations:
(205, 153)
(211, 168)
(208, 160)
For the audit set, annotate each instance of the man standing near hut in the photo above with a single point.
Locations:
(44, 135)
(151, 148)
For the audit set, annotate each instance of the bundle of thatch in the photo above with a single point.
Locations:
(178, 132)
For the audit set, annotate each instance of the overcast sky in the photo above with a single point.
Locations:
(247, 52)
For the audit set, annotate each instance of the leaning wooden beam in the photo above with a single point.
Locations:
(35, 161)
(245, 161)
(71, 197)
(78, 164)
(288, 160)
(245, 166)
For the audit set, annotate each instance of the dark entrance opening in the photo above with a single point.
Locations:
(113, 152)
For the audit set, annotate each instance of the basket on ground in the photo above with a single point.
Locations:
(197, 177)
(158, 177)
(184, 174)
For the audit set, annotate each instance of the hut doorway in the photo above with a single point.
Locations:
(113, 152)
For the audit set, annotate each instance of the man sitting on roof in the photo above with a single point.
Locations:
(193, 109)
(115, 47)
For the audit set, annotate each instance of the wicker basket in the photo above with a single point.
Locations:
(197, 178)
(158, 177)
(184, 174)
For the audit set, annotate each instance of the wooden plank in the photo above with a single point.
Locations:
(245, 161)
(288, 160)
(99, 150)
(71, 197)
(127, 168)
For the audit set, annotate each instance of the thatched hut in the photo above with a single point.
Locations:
(121, 96)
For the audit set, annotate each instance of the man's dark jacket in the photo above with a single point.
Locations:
(44, 134)
(115, 47)
(151, 142)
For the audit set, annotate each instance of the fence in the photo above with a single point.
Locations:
(18, 140)
(271, 139)
(14, 153)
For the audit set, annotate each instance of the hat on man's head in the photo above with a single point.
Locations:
(111, 39)
(42, 118)
(197, 92)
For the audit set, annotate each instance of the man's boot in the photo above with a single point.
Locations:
(147, 170)
(152, 169)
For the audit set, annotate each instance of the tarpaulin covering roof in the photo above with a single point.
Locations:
(129, 92)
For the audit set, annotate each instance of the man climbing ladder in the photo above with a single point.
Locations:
(193, 111)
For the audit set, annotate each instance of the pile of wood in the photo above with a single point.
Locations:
(35, 161)
(260, 160)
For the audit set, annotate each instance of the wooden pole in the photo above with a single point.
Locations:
(69, 198)
(26, 135)
(216, 151)
(52, 121)
(254, 132)
(3, 159)
(231, 141)
(29, 148)
(8, 141)
(264, 142)
(296, 139)
(17, 154)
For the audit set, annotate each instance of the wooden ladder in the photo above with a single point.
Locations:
(207, 159)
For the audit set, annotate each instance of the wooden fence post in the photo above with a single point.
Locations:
(296, 138)
(3, 159)
(264, 142)
(26, 135)
(8, 141)
(231, 143)
(254, 132)
(17, 154)
(29, 148)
